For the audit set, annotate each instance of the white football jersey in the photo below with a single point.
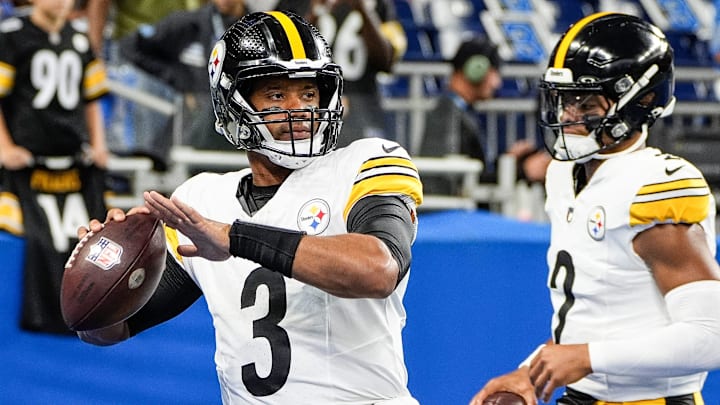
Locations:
(279, 340)
(599, 287)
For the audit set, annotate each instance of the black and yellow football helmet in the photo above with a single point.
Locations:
(266, 44)
(620, 57)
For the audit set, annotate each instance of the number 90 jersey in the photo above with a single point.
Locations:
(279, 340)
(45, 82)
(599, 287)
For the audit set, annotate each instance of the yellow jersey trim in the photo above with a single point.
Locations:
(386, 175)
(672, 185)
(697, 397)
(686, 209)
(11, 219)
(7, 78)
(172, 238)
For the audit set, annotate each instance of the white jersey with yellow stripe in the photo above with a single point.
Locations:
(599, 287)
(279, 340)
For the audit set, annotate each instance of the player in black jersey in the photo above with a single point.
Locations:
(52, 147)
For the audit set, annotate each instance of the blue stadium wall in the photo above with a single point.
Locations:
(476, 307)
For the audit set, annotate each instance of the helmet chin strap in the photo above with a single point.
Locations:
(635, 146)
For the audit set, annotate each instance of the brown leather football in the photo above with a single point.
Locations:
(504, 398)
(112, 273)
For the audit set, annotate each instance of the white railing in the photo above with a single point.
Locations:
(503, 195)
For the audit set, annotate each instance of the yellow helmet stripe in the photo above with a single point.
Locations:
(296, 45)
(570, 36)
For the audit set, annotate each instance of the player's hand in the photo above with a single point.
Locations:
(14, 157)
(211, 238)
(517, 381)
(557, 365)
(113, 214)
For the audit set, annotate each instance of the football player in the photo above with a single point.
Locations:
(633, 280)
(50, 85)
(302, 258)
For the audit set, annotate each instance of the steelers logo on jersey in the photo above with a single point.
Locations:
(314, 217)
(596, 223)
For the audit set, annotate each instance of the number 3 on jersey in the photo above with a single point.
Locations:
(563, 261)
(267, 327)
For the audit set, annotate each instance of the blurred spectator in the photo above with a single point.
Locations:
(52, 148)
(453, 126)
(366, 39)
(175, 50)
(127, 17)
(133, 128)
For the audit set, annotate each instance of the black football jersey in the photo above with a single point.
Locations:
(46, 80)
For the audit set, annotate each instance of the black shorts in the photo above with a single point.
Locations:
(574, 397)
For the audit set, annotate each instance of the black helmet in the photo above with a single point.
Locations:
(268, 44)
(620, 57)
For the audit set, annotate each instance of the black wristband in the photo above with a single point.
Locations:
(273, 248)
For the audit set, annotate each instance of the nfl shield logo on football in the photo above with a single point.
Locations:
(314, 217)
(596, 223)
(105, 253)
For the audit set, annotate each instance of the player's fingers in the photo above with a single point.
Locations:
(540, 382)
(115, 214)
(190, 213)
(547, 391)
(138, 210)
(187, 250)
(170, 206)
(160, 208)
(81, 232)
(95, 225)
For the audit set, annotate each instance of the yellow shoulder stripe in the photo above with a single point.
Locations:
(395, 33)
(7, 78)
(386, 176)
(95, 82)
(678, 201)
(672, 185)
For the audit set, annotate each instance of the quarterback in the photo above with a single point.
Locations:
(632, 276)
(303, 258)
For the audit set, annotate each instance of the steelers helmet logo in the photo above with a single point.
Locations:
(596, 223)
(314, 217)
(217, 57)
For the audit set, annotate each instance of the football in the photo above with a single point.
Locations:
(112, 273)
(504, 398)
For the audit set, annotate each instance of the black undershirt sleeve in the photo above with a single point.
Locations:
(389, 219)
(175, 293)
